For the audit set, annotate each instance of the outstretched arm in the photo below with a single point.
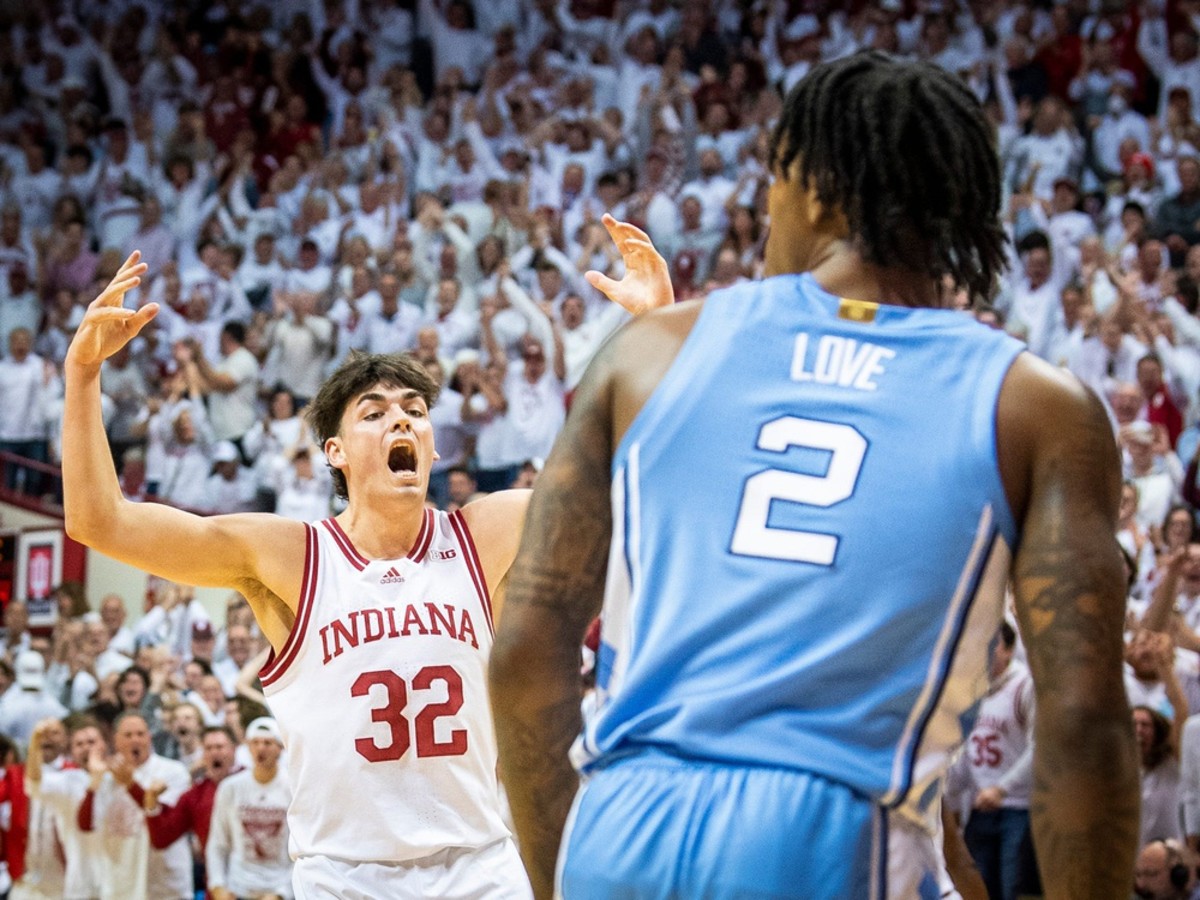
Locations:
(1057, 444)
(225, 551)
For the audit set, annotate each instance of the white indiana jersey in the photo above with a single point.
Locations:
(1003, 730)
(381, 694)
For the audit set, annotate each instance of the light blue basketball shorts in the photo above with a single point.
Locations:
(656, 827)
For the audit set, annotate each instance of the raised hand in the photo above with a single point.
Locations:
(97, 763)
(122, 769)
(152, 793)
(647, 281)
(108, 326)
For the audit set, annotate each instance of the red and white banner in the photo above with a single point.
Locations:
(39, 571)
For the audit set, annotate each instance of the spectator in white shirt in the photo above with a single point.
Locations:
(260, 273)
(300, 343)
(24, 386)
(310, 274)
(61, 791)
(303, 489)
(26, 703)
(393, 329)
(129, 865)
(231, 486)
(231, 385)
(247, 851)
(20, 306)
(112, 614)
(188, 461)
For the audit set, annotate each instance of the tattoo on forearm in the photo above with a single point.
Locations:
(1071, 603)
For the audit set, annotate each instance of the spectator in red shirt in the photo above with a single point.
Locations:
(1161, 408)
(194, 810)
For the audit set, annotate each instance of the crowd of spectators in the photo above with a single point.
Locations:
(307, 178)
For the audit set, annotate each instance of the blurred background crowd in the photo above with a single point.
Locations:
(307, 178)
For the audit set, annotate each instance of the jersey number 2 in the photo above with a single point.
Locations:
(752, 536)
(392, 714)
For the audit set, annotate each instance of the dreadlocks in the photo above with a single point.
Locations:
(904, 151)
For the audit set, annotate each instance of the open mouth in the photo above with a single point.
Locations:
(402, 459)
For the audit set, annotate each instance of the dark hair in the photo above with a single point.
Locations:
(235, 330)
(1161, 748)
(205, 668)
(135, 672)
(82, 150)
(360, 372)
(1186, 510)
(219, 729)
(904, 151)
(78, 721)
(1187, 292)
(74, 590)
(1008, 635)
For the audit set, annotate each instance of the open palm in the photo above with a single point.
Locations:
(647, 281)
(107, 325)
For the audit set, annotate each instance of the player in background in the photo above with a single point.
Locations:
(994, 775)
(798, 509)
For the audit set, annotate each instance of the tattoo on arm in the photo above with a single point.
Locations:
(1070, 599)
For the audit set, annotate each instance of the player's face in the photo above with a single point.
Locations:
(385, 439)
(265, 751)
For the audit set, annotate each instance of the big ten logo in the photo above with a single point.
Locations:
(41, 572)
(444, 554)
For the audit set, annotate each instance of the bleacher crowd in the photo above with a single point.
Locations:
(307, 178)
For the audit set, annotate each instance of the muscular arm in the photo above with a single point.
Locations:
(554, 591)
(1070, 602)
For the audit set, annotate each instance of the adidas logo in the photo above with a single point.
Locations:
(391, 576)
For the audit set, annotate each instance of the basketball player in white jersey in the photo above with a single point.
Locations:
(381, 620)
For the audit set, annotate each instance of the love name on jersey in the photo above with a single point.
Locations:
(366, 626)
(843, 361)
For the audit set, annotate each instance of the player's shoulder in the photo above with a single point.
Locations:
(498, 509)
(630, 365)
(494, 523)
(649, 331)
(1047, 419)
(1041, 403)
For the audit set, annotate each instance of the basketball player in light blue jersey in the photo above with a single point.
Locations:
(796, 506)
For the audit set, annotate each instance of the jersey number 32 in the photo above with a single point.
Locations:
(391, 713)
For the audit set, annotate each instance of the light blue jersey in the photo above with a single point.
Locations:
(810, 545)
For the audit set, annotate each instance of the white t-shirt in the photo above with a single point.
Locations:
(231, 414)
(62, 792)
(247, 850)
(130, 868)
